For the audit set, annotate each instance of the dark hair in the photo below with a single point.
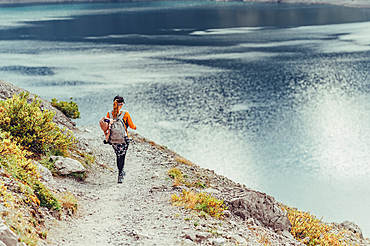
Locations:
(119, 99)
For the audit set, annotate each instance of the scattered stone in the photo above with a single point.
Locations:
(143, 236)
(66, 165)
(218, 241)
(237, 240)
(211, 191)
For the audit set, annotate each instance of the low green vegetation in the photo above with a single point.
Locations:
(27, 135)
(69, 109)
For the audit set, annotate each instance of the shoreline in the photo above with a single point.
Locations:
(343, 3)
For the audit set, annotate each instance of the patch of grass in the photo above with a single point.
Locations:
(201, 202)
(180, 179)
(79, 176)
(177, 176)
(305, 225)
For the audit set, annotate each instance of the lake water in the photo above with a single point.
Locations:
(274, 96)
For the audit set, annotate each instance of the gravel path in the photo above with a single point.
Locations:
(121, 214)
(139, 211)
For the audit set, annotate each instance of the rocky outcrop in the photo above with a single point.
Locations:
(352, 227)
(7, 90)
(262, 208)
(67, 165)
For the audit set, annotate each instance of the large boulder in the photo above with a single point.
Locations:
(263, 208)
(67, 165)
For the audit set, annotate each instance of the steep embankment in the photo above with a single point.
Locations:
(140, 211)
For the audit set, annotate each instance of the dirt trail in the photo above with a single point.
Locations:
(121, 214)
(139, 211)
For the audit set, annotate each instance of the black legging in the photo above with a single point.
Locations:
(120, 163)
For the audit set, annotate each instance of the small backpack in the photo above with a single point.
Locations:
(118, 131)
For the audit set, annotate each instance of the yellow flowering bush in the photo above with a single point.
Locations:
(310, 230)
(13, 160)
(201, 202)
(32, 128)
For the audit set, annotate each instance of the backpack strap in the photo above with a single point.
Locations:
(120, 115)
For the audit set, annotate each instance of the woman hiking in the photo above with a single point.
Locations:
(120, 148)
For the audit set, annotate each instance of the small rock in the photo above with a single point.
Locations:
(142, 235)
(218, 241)
(250, 221)
(211, 191)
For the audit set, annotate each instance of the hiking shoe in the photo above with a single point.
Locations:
(120, 177)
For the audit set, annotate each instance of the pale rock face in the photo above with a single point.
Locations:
(350, 226)
(45, 174)
(262, 208)
(67, 165)
(7, 236)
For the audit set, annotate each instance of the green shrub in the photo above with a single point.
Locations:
(70, 109)
(32, 128)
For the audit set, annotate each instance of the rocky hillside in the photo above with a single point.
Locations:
(141, 211)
